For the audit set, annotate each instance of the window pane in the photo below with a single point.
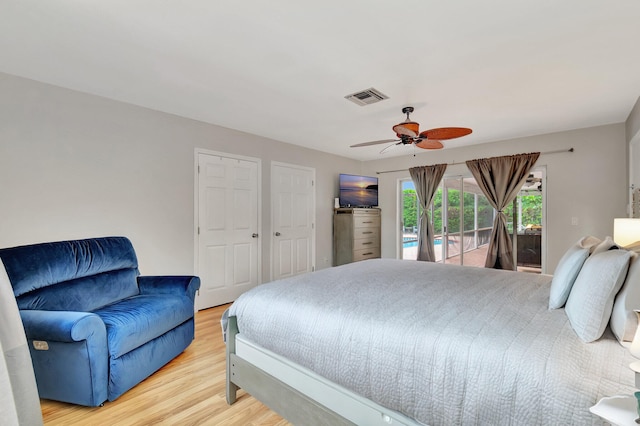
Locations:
(508, 212)
(469, 201)
(409, 221)
(453, 221)
(436, 220)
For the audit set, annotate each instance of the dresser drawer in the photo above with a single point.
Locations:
(365, 243)
(367, 253)
(369, 233)
(366, 222)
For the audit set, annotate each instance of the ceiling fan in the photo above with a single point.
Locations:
(408, 133)
(532, 183)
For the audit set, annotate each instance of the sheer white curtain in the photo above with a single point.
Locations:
(19, 401)
(426, 180)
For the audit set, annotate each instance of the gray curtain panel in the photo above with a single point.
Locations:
(500, 179)
(19, 401)
(426, 180)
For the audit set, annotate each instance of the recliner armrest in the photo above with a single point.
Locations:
(169, 284)
(73, 366)
(63, 326)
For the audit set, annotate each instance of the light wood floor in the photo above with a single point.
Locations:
(190, 390)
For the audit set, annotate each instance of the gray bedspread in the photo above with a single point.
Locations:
(442, 344)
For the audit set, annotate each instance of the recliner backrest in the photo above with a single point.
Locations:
(78, 275)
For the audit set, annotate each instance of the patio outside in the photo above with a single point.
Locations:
(460, 205)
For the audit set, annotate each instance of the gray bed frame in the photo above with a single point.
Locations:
(296, 393)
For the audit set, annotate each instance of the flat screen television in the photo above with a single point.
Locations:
(358, 191)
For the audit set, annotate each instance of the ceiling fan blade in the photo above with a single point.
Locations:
(444, 133)
(429, 144)
(374, 142)
(386, 148)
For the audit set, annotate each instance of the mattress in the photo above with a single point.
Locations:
(441, 344)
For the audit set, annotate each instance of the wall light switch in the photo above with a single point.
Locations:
(574, 221)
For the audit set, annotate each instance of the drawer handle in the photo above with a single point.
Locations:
(367, 243)
(367, 221)
(367, 254)
(368, 232)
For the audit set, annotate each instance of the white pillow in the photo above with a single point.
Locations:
(624, 321)
(591, 300)
(605, 245)
(568, 269)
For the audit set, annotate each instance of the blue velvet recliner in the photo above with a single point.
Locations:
(95, 327)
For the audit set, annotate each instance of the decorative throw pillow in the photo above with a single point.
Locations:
(605, 245)
(624, 321)
(591, 300)
(568, 269)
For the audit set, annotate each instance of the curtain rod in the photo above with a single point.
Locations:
(464, 162)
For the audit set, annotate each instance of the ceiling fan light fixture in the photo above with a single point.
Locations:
(407, 128)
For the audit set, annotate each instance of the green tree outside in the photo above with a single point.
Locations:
(531, 210)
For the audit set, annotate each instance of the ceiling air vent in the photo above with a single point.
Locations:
(366, 97)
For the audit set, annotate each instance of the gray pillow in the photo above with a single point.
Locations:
(591, 300)
(624, 321)
(567, 270)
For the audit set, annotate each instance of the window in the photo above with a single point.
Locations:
(462, 219)
(458, 209)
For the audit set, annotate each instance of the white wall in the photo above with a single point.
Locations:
(633, 137)
(74, 165)
(589, 184)
(632, 124)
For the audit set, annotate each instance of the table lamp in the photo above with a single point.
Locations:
(626, 231)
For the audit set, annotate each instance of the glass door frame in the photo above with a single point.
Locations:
(400, 247)
(543, 237)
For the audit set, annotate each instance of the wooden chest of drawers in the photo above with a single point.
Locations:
(356, 235)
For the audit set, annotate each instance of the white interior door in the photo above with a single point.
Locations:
(228, 249)
(293, 220)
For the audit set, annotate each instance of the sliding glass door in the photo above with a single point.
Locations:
(462, 220)
(525, 216)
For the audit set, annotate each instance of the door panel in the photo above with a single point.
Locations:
(293, 216)
(228, 226)
(303, 255)
(451, 238)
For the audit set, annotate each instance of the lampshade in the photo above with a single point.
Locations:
(626, 231)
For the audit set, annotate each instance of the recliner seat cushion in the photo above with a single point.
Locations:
(134, 321)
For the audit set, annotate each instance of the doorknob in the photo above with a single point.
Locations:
(254, 235)
(277, 234)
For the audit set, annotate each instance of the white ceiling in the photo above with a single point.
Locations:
(281, 68)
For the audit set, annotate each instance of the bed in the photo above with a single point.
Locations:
(387, 341)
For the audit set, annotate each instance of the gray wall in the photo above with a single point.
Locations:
(74, 165)
(632, 124)
(633, 137)
(589, 184)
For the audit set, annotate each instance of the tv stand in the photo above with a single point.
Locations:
(356, 234)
